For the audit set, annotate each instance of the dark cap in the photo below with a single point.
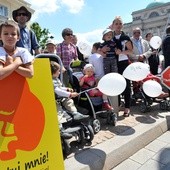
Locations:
(15, 12)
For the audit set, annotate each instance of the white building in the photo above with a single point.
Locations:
(154, 18)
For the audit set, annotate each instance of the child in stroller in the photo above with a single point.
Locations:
(91, 98)
(88, 81)
(147, 101)
(74, 123)
(65, 92)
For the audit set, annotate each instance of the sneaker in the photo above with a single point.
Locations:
(107, 106)
(79, 116)
(66, 135)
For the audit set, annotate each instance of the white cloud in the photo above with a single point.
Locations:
(74, 6)
(44, 6)
(90, 37)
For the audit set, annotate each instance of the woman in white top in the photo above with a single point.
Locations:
(124, 48)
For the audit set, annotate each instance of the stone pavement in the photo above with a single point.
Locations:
(113, 145)
(154, 156)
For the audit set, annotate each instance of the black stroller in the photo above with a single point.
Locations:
(93, 104)
(69, 128)
(146, 101)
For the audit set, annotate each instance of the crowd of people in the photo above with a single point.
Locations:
(114, 54)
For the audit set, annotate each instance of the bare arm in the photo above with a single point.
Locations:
(26, 70)
(37, 51)
(10, 68)
(129, 50)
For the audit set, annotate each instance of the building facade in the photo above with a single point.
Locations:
(7, 6)
(154, 18)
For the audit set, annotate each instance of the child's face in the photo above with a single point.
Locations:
(56, 74)
(51, 48)
(108, 36)
(94, 50)
(9, 36)
(89, 72)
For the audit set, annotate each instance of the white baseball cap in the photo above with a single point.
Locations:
(50, 41)
(106, 31)
(88, 66)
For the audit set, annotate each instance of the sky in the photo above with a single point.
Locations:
(87, 18)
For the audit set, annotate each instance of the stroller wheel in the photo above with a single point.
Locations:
(65, 147)
(150, 101)
(143, 107)
(148, 108)
(96, 125)
(81, 136)
(133, 102)
(89, 133)
(111, 118)
(163, 105)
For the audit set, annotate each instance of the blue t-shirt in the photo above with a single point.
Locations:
(28, 40)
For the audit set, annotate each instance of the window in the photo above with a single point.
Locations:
(153, 14)
(3, 11)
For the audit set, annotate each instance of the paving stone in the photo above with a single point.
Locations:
(142, 156)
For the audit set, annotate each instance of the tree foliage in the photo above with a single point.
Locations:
(42, 34)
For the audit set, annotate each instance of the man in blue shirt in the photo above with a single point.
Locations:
(28, 38)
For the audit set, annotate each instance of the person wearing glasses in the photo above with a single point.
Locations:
(28, 38)
(141, 48)
(154, 58)
(67, 52)
(123, 49)
(141, 53)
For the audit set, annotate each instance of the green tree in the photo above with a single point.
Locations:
(42, 34)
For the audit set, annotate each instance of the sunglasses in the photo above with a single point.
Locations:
(136, 32)
(23, 14)
(69, 34)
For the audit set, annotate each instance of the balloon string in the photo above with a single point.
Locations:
(87, 90)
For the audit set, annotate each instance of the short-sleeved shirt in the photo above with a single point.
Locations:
(25, 55)
(68, 52)
(97, 61)
(28, 40)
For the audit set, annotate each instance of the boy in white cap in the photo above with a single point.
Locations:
(110, 59)
(51, 46)
(89, 81)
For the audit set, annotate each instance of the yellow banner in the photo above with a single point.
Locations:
(29, 131)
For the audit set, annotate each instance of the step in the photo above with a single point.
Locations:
(113, 151)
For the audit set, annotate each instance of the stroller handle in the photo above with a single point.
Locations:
(87, 90)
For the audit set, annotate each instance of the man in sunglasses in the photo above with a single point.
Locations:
(28, 38)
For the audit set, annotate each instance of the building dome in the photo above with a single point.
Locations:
(154, 4)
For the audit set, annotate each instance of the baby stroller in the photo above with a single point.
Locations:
(80, 129)
(93, 104)
(146, 101)
(69, 127)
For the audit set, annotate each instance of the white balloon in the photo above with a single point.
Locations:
(112, 84)
(136, 71)
(152, 88)
(84, 48)
(155, 42)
